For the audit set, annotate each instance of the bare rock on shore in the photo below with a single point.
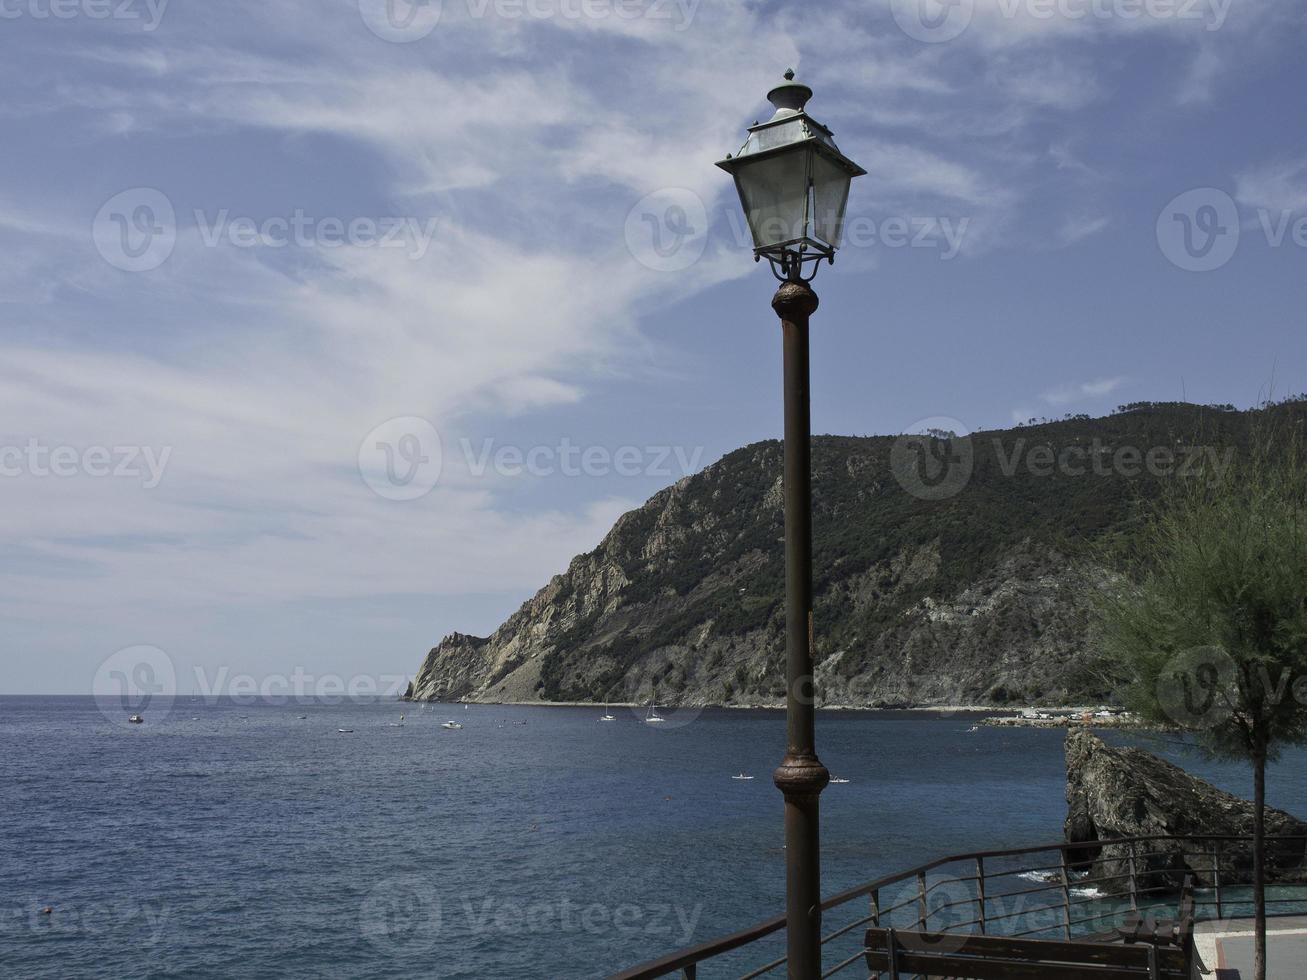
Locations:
(1127, 792)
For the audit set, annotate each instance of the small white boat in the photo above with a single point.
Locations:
(653, 717)
(742, 776)
(136, 720)
(345, 731)
(453, 726)
(838, 780)
(606, 716)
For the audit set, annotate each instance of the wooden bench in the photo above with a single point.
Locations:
(906, 953)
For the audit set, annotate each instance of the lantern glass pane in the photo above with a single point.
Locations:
(831, 197)
(774, 192)
(774, 136)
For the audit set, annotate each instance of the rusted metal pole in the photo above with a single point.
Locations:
(801, 776)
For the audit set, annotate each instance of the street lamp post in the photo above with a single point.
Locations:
(794, 187)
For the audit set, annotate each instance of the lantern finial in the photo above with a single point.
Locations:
(790, 97)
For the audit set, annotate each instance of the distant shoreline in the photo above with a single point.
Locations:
(932, 709)
(1033, 716)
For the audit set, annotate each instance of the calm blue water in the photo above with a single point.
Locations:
(244, 841)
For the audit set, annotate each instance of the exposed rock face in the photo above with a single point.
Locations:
(980, 597)
(1127, 792)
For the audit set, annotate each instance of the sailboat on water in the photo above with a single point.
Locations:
(607, 715)
(653, 717)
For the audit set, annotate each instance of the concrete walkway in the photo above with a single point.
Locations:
(1227, 948)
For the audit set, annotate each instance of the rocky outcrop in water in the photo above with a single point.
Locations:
(1127, 792)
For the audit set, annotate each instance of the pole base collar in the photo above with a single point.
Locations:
(801, 775)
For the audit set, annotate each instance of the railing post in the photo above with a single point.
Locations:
(1216, 876)
(1134, 884)
(1066, 895)
(874, 900)
(921, 901)
(690, 972)
(980, 890)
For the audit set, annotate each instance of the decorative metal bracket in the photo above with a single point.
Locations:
(787, 262)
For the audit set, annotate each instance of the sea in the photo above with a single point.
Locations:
(232, 839)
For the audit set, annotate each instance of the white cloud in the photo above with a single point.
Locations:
(1199, 81)
(1279, 186)
(261, 499)
(1009, 23)
(1069, 393)
(1057, 80)
(1079, 227)
(1062, 155)
(904, 170)
(262, 370)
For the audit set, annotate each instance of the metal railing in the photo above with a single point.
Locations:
(1046, 891)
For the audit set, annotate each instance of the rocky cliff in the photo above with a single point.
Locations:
(1127, 792)
(978, 596)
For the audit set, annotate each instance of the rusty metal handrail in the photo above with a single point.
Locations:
(686, 961)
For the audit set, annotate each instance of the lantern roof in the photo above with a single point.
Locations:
(789, 127)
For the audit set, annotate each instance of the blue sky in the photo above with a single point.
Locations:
(320, 306)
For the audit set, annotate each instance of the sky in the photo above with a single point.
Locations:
(333, 327)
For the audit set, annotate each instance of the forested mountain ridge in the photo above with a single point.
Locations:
(947, 570)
